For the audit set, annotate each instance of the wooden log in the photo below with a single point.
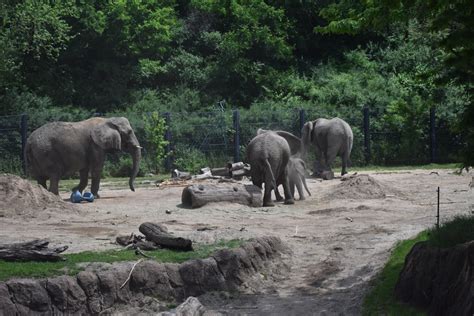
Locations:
(182, 175)
(223, 172)
(159, 235)
(239, 174)
(198, 195)
(35, 250)
(235, 166)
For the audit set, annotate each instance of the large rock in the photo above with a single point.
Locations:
(29, 296)
(439, 280)
(66, 294)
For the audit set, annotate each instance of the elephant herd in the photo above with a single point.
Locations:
(276, 157)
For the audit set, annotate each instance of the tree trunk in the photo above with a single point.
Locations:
(35, 250)
(198, 195)
(159, 235)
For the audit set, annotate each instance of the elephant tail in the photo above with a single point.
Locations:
(305, 186)
(269, 173)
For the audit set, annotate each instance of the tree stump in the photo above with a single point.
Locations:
(35, 250)
(198, 195)
(159, 235)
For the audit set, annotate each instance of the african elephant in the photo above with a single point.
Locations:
(61, 148)
(297, 176)
(296, 169)
(330, 138)
(268, 154)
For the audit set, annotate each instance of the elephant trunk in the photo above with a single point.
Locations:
(136, 156)
(306, 137)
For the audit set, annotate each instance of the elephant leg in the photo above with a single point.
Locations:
(267, 196)
(330, 157)
(95, 182)
(54, 184)
(299, 187)
(286, 189)
(345, 159)
(42, 181)
(278, 196)
(84, 178)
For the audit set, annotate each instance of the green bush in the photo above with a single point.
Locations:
(155, 128)
(120, 165)
(189, 159)
(457, 230)
(11, 164)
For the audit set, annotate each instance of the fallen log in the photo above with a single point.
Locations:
(159, 235)
(181, 175)
(223, 172)
(236, 166)
(35, 250)
(198, 195)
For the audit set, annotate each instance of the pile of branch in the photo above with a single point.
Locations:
(232, 171)
(35, 250)
(156, 236)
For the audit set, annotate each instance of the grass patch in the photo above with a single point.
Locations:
(381, 300)
(453, 166)
(115, 183)
(457, 231)
(70, 265)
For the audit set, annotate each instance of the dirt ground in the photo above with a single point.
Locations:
(340, 236)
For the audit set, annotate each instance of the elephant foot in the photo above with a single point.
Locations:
(302, 198)
(290, 201)
(343, 173)
(279, 198)
(269, 204)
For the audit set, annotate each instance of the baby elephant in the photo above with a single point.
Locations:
(296, 169)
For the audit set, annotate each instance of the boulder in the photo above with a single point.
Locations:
(439, 279)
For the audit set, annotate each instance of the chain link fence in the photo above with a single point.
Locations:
(222, 135)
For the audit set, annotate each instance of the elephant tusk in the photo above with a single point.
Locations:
(139, 147)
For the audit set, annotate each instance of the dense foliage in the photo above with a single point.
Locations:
(69, 59)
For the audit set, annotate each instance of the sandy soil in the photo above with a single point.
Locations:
(340, 236)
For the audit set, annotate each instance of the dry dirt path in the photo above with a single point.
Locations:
(338, 244)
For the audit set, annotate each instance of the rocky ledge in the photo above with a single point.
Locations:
(440, 280)
(98, 287)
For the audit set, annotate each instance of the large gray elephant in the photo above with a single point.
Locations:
(330, 138)
(268, 154)
(61, 148)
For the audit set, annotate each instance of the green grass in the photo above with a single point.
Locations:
(115, 183)
(70, 265)
(454, 166)
(381, 300)
(458, 230)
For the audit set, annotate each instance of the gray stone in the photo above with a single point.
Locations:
(66, 294)
(6, 305)
(151, 278)
(201, 275)
(29, 296)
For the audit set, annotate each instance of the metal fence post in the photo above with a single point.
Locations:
(169, 159)
(433, 135)
(367, 134)
(302, 119)
(236, 125)
(24, 132)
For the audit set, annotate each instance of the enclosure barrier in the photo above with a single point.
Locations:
(224, 134)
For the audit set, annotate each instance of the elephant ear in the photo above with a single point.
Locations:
(261, 131)
(106, 137)
(306, 136)
(293, 141)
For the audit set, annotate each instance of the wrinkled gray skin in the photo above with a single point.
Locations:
(297, 176)
(268, 154)
(296, 169)
(61, 148)
(330, 138)
(293, 141)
